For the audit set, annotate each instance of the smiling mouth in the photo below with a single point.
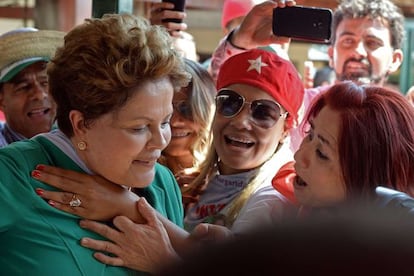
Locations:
(38, 112)
(180, 134)
(146, 162)
(238, 142)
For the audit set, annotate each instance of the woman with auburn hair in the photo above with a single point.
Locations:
(360, 137)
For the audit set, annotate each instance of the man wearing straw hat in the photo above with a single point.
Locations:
(24, 97)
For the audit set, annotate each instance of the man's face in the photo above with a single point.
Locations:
(362, 51)
(25, 101)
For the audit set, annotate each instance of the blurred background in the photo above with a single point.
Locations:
(204, 24)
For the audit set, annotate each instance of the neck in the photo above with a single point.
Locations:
(178, 163)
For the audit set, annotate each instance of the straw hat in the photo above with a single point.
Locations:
(22, 47)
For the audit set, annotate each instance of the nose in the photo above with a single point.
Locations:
(302, 155)
(243, 118)
(159, 138)
(176, 119)
(360, 49)
(39, 91)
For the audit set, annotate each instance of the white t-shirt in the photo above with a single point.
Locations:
(265, 205)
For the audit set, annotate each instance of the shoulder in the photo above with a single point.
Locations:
(163, 176)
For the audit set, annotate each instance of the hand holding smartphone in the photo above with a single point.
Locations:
(179, 5)
(303, 23)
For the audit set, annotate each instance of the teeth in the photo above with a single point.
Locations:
(38, 111)
(180, 134)
(240, 140)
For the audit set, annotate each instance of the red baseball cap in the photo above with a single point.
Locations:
(269, 72)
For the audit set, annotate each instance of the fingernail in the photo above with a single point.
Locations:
(52, 203)
(36, 174)
(84, 241)
(39, 191)
(40, 167)
(81, 223)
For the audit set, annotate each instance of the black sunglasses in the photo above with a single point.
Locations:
(264, 113)
(184, 109)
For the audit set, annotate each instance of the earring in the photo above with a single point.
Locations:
(82, 145)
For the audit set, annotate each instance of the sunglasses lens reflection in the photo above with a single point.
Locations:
(229, 105)
(264, 113)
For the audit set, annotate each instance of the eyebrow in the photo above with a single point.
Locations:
(24, 78)
(346, 33)
(321, 138)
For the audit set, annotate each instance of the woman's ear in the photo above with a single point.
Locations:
(284, 135)
(78, 123)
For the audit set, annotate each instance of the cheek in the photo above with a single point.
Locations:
(379, 61)
(338, 62)
(218, 125)
(113, 147)
(271, 138)
(194, 126)
(331, 190)
(13, 104)
(166, 133)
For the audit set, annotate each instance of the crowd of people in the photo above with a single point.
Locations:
(161, 157)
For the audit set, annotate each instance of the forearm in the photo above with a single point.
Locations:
(223, 51)
(180, 238)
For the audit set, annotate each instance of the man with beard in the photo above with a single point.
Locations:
(24, 96)
(365, 44)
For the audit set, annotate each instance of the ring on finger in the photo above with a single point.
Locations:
(75, 201)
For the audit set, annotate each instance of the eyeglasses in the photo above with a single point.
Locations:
(184, 109)
(264, 113)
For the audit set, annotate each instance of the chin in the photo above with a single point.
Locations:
(142, 180)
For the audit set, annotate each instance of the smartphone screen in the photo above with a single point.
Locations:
(303, 23)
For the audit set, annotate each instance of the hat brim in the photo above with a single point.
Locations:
(21, 46)
(12, 70)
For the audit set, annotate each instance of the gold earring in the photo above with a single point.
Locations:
(82, 145)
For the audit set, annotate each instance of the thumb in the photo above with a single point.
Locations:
(146, 210)
(200, 232)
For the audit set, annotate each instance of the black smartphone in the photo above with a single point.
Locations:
(179, 5)
(308, 24)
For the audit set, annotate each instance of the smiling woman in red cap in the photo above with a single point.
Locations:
(259, 96)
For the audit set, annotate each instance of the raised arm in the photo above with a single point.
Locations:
(160, 11)
(254, 31)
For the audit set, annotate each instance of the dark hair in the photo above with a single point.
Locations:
(324, 76)
(376, 137)
(381, 9)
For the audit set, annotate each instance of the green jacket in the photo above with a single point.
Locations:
(38, 239)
